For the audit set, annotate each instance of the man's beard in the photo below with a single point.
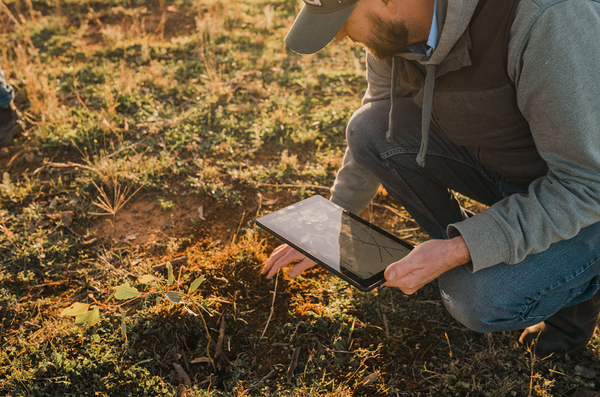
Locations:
(388, 39)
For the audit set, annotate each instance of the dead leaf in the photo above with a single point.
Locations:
(131, 237)
(585, 372)
(293, 364)
(201, 213)
(264, 201)
(66, 218)
(183, 377)
(367, 380)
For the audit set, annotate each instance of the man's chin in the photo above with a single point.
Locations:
(381, 55)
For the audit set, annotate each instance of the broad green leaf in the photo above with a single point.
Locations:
(126, 291)
(196, 284)
(174, 297)
(146, 279)
(170, 269)
(75, 309)
(89, 318)
(94, 316)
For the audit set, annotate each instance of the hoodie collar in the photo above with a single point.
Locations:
(427, 47)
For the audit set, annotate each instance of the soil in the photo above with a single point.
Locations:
(142, 222)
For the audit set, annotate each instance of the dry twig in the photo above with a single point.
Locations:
(272, 306)
(266, 377)
(385, 325)
(64, 165)
(182, 260)
(219, 350)
(295, 186)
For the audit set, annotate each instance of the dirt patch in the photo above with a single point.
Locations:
(142, 220)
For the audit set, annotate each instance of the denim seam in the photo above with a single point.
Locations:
(549, 289)
(433, 152)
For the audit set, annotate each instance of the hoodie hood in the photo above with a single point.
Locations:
(453, 18)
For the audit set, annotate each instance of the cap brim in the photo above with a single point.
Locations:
(312, 32)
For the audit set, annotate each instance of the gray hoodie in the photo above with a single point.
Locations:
(554, 62)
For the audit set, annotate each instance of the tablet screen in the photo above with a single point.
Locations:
(340, 240)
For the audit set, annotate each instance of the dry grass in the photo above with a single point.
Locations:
(150, 110)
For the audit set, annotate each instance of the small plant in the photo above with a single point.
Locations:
(16, 192)
(120, 198)
(165, 205)
(89, 313)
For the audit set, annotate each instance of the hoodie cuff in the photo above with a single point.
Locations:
(348, 205)
(485, 240)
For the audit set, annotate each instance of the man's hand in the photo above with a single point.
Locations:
(425, 263)
(283, 256)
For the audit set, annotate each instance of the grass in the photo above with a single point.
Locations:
(140, 114)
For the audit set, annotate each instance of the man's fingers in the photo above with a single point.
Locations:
(396, 270)
(404, 275)
(280, 248)
(288, 256)
(402, 285)
(274, 257)
(301, 266)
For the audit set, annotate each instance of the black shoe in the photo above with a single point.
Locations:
(567, 332)
(10, 124)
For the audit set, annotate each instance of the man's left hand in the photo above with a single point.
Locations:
(425, 263)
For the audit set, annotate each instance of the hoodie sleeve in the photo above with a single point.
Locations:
(354, 186)
(555, 69)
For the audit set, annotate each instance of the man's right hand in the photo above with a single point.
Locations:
(283, 256)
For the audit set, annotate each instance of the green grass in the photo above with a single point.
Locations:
(141, 112)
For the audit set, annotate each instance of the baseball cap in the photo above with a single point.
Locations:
(317, 24)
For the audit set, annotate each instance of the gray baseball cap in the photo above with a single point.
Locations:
(317, 24)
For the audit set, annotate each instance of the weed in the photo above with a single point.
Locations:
(165, 205)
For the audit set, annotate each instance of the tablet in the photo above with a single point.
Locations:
(343, 243)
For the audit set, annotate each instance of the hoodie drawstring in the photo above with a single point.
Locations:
(395, 65)
(425, 113)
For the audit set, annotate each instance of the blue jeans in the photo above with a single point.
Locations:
(6, 91)
(499, 298)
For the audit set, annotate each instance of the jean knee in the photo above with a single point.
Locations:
(471, 304)
(366, 126)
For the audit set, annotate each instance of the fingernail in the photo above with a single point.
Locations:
(391, 275)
